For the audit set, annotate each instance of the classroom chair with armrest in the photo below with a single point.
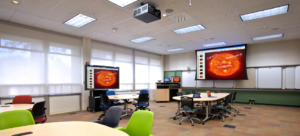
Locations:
(142, 102)
(105, 104)
(112, 117)
(112, 93)
(223, 108)
(179, 107)
(233, 101)
(22, 99)
(188, 107)
(140, 124)
(38, 112)
(15, 118)
(141, 92)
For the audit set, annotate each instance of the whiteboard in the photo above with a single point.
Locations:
(269, 77)
(188, 79)
(297, 77)
(290, 77)
(205, 83)
(224, 83)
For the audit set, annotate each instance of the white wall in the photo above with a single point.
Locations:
(263, 54)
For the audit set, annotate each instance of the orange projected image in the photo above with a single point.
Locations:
(106, 78)
(225, 65)
(176, 79)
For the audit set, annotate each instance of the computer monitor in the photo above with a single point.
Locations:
(166, 79)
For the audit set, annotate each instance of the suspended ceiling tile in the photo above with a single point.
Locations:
(214, 7)
(238, 3)
(6, 14)
(46, 24)
(176, 9)
(8, 5)
(144, 27)
(24, 19)
(53, 2)
(116, 17)
(216, 15)
(132, 22)
(63, 28)
(60, 14)
(96, 25)
(35, 7)
(222, 22)
(77, 5)
(155, 31)
(101, 9)
(185, 4)
(165, 21)
(183, 24)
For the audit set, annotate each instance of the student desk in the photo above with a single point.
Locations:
(71, 128)
(125, 98)
(205, 98)
(11, 107)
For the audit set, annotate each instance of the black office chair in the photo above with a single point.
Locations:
(193, 92)
(187, 92)
(188, 107)
(38, 112)
(112, 117)
(105, 104)
(223, 108)
(142, 102)
(179, 93)
(179, 107)
(233, 101)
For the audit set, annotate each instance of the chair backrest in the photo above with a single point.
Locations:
(104, 100)
(234, 96)
(228, 99)
(140, 123)
(15, 118)
(178, 93)
(220, 91)
(112, 116)
(22, 99)
(187, 102)
(187, 92)
(193, 92)
(110, 93)
(38, 110)
(143, 91)
(196, 95)
(143, 98)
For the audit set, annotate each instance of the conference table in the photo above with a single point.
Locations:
(125, 98)
(11, 107)
(70, 128)
(204, 98)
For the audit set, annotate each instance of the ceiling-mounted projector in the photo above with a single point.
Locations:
(147, 13)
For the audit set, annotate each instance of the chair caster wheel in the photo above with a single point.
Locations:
(174, 118)
(192, 125)
(120, 118)
(238, 112)
(209, 118)
(235, 115)
(179, 123)
(203, 123)
(219, 117)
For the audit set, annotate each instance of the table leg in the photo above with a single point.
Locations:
(207, 113)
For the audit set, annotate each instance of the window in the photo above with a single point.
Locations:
(38, 64)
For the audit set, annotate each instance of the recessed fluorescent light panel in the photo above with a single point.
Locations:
(189, 29)
(177, 49)
(143, 39)
(267, 37)
(265, 13)
(122, 3)
(214, 44)
(79, 20)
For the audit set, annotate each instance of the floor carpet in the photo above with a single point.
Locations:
(252, 120)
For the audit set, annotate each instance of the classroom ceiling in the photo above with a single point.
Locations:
(220, 18)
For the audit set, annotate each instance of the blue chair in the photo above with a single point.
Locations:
(105, 104)
(112, 93)
(141, 92)
(142, 102)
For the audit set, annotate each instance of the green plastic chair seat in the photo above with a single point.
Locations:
(15, 118)
(140, 124)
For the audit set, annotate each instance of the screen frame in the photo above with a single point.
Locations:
(85, 77)
(222, 48)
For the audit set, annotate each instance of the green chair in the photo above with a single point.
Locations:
(140, 124)
(15, 118)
